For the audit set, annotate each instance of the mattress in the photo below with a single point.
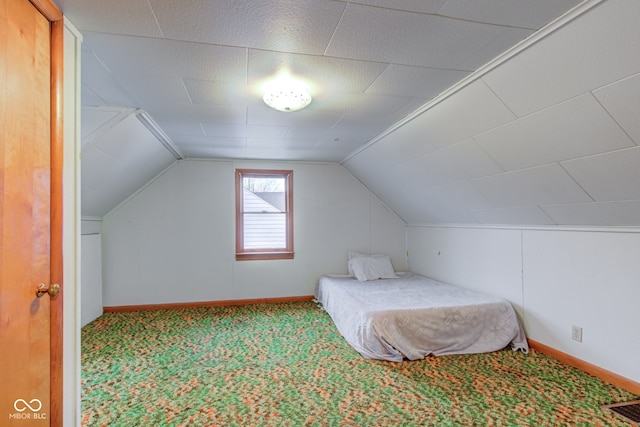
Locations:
(414, 316)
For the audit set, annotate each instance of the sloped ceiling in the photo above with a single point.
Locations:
(197, 66)
(119, 155)
(406, 96)
(550, 137)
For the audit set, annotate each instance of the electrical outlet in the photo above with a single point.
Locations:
(576, 333)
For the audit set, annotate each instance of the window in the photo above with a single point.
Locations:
(264, 214)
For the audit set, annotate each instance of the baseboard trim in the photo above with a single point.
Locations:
(120, 308)
(596, 371)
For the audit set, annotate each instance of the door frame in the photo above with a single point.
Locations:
(51, 12)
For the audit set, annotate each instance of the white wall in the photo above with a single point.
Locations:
(91, 278)
(91, 270)
(174, 240)
(555, 278)
(91, 226)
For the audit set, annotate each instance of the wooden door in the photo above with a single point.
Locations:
(30, 214)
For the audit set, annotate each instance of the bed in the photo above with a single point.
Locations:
(411, 316)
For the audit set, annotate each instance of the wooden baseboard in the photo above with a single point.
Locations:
(170, 306)
(594, 370)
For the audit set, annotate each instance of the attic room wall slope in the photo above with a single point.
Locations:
(120, 157)
(174, 240)
(544, 138)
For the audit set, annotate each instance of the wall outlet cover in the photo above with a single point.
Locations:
(576, 333)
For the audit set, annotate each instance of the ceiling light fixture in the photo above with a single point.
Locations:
(286, 94)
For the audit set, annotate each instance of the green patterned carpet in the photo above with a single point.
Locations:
(286, 365)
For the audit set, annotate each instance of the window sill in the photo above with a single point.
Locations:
(247, 256)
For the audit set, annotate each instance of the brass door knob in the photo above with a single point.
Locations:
(52, 290)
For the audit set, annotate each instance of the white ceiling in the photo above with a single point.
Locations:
(549, 137)
(119, 156)
(196, 66)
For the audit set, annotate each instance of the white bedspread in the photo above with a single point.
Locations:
(414, 316)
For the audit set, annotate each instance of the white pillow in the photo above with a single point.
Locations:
(371, 267)
(353, 254)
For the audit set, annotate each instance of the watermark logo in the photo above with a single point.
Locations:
(21, 405)
(28, 410)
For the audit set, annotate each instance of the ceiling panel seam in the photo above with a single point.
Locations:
(155, 18)
(335, 29)
(536, 37)
(612, 116)
(576, 181)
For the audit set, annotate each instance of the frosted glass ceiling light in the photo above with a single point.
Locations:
(286, 95)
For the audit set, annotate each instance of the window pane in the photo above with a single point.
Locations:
(265, 231)
(264, 194)
(264, 214)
